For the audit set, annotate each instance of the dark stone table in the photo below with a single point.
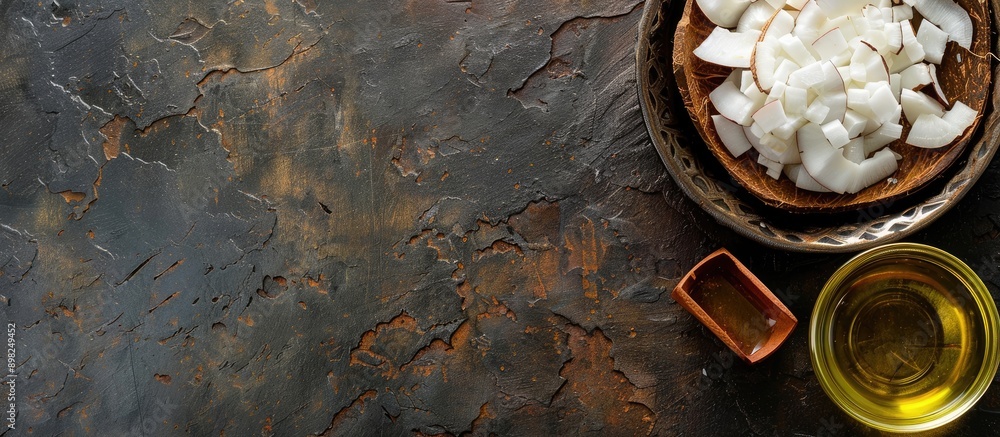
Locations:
(301, 217)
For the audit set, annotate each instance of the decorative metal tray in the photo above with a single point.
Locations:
(704, 180)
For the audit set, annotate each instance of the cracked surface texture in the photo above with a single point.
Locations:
(426, 217)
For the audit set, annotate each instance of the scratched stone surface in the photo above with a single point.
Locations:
(404, 217)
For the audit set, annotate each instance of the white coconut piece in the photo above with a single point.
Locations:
(755, 16)
(773, 168)
(777, 149)
(765, 61)
(916, 103)
(837, 102)
(836, 133)
(886, 10)
(731, 103)
(806, 182)
(912, 48)
(836, 8)
(777, 93)
(766, 52)
(817, 111)
(860, 24)
(855, 123)
(810, 22)
(883, 136)
(736, 77)
(723, 13)
(787, 131)
(931, 132)
(895, 85)
(830, 44)
(796, 50)
(871, 126)
(845, 72)
(949, 17)
(877, 38)
(873, 170)
(854, 150)
(784, 69)
(873, 14)
(775, 172)
(903, 12)
(732, 135)
(883, 103)
(792, 172)
(809, 76)
(915, 77)
(746, 79)
(894, 36)
(934, 41)
(876, 69)
(729, 49)
(961, 116)
(796, 100)
(783, 22)
(844, 24)
(898, 62)
(832, 93)
(843, 59)
(832, 82)
(859, 101)
(770, 116)
(796, 4)
(826, 164)
(759, 97)
(868, 65)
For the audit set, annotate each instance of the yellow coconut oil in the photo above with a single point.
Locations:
(906, 339)
(728, 303)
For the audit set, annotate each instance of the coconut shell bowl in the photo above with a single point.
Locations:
(674, 88)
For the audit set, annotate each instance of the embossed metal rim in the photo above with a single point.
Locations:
(654, 76)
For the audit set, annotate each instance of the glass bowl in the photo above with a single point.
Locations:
(903, 338)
